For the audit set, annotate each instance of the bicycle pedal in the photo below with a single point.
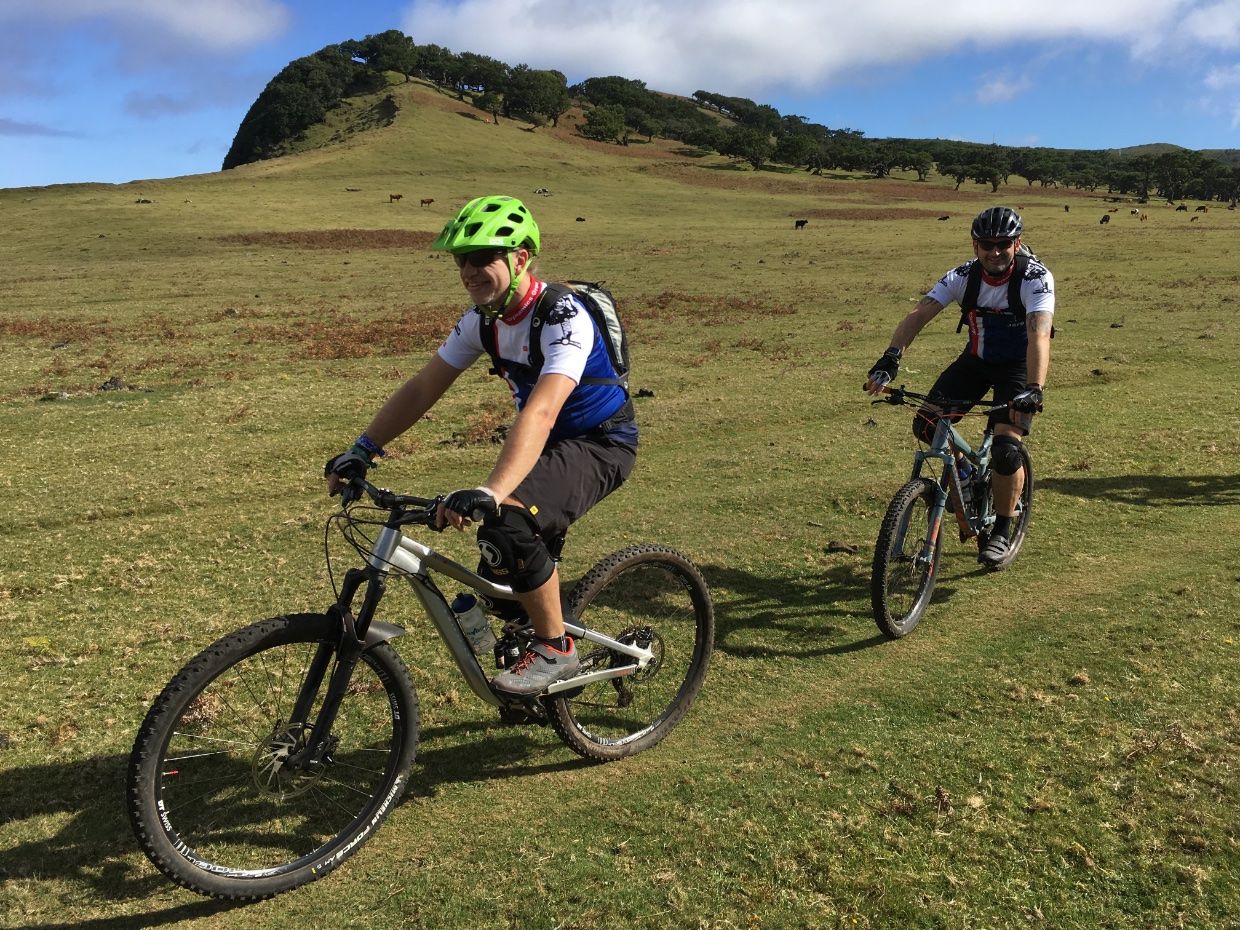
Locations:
(522, 714)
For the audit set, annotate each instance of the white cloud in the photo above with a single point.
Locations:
(211, 25)
(1216, 24)
(739, 46)
(999, 89)
(1223, 78)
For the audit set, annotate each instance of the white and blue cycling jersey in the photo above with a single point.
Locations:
(997, 334)
(571, 346)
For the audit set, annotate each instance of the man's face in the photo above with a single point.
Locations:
(484, 274)
(995, 254)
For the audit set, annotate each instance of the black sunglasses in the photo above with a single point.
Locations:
(479, 258)
(991, 244)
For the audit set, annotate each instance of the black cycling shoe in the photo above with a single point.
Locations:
(995, 550)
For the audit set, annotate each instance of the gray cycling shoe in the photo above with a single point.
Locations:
(540, 666)
(995, 550)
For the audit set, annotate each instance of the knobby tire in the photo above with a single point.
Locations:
(900, 586)
(208, 800)
(651, 595)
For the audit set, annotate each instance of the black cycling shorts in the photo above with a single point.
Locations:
(968, 379)
(570, 477)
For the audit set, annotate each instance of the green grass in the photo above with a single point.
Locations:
(1054, 746)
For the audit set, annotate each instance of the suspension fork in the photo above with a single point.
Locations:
(347, 650)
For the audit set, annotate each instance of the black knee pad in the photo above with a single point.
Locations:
(1005, 457)
(513, 552)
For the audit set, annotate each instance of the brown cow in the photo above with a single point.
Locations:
(1202, 209)
(392, 198)
(427, 201)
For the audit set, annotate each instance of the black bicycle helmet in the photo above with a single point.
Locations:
(997, 223)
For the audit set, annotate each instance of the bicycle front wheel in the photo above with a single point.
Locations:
(902, 579)
(654, 597)
(1024, 512)
(219, 795)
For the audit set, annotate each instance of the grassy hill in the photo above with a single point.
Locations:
(1055, 746)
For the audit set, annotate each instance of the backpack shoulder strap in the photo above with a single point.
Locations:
(486, 333)
(1015, 304)
(968, 303)
(546, 300)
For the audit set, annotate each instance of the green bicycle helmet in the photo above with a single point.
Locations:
(493, 222)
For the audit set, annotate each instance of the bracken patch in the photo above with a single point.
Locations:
(338, 239)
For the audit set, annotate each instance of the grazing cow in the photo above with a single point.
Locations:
(1065, 208)
(1113, 210)
(1133, 212)
(581, 219)
(945, 216)
(1106, 218)
(1193, 219)
(1182, 207)
(801, 224)
(392, 198)
(1202, 209)
(542, 190)
(427, 201)
(141, 200)
(1142, 217)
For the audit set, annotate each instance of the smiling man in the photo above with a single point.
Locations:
(574, 439)
(1007, 300)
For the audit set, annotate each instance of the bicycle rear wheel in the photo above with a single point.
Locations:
(1024, 512)
(901, 581)
(212, 798)
(657, 598)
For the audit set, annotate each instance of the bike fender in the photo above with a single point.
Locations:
(380, 632)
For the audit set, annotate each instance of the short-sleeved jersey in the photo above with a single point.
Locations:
(571, 345)
(995, 333)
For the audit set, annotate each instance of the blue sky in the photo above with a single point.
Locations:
(118, 90)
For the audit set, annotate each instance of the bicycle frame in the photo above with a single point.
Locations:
(946, 445)
(395, 552)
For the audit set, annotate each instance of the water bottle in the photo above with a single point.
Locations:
(473, 623)
(965, 471)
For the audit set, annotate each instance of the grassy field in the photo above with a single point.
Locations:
(1055, 746)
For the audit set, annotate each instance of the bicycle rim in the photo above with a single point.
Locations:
(654, 597)
(212, 800)
(901, 580)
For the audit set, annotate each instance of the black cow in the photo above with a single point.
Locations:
(801, 224)
(1106, 218)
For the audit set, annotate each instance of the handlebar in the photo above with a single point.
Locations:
(404, 508)
(901, 396)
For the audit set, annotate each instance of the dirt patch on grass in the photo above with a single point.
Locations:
(331, 334)
(338, 239)
(871, 213)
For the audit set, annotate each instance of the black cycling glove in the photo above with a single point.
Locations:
(474, 503)
(349, 465)
(885, 369)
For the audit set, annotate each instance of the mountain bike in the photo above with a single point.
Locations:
(276, 752)
(910, 540)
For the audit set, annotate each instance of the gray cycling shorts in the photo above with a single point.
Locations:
(570, 477)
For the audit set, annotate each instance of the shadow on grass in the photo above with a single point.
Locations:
(763, 616)
(93, 849)
(1151, 490)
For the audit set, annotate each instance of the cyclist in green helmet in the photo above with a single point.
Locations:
(573, 442)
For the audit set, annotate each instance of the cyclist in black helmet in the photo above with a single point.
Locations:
(1007, 300)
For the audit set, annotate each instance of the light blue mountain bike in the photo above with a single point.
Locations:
(910, 540)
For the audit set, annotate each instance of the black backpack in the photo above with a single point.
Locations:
(602, 308)
(968, 302)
